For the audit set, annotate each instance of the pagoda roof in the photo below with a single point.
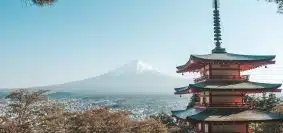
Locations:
(232, 57)
(226, 115)
(227, 86)
(197, 61)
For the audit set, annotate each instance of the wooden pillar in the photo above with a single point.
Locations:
(255, 127)
(204, 71)
(242, 98)
(273, 130)
(199, 127)
(210, 99)
(239, 70)
(209, 128)
(202, 127)
(222, 125)
(247, 128)
(209, 70)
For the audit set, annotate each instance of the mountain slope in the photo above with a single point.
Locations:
(133, 77)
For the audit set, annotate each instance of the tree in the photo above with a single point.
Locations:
(31, 112)
(266, 104)
(25, 109)
(40, 2)
(99, 121)
(279, 3)
(193, 100)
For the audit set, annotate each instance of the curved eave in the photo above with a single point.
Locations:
(182, 90)
(185, 66)
(235, 86)
(244, 66)
(234, 115)
(226, 115)
(183, 114)
(185, 90)
(249, 90)
(195, 60)
(192, 90)
(232, 57)
(246, 87)
(234, 121)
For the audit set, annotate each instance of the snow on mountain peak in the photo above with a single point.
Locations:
(142, 66)
(136, 66)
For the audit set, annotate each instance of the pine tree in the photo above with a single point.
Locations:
(279, 3)
(267, 104)
(272, 102)
(40, 2)
(193, 100)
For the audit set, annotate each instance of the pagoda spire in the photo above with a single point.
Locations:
(217, 29)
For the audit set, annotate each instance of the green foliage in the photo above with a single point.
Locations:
(40, 2)
(264, 103)
(279, 3)
(268, 103)
(271, 127)
(193, 101)
(43, 2)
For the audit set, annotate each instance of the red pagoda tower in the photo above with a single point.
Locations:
(221, 89)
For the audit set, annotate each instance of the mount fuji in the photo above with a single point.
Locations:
(135, 77)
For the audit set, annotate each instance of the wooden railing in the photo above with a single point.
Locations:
(222, 77)
(227, 104)
(230, 105)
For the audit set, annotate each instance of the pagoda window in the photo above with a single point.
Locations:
(225, 72)
(225, 66)
(231, 99)
(227, 99)
(238, 128)
(224, 69)
(226, 93)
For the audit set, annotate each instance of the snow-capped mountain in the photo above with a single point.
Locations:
(133, 77)
(133, 67)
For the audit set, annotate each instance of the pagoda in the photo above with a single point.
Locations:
(221, 89)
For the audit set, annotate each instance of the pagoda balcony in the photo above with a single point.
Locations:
(225, 105)
(222, 77)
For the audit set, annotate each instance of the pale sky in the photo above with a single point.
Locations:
(73, 39)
